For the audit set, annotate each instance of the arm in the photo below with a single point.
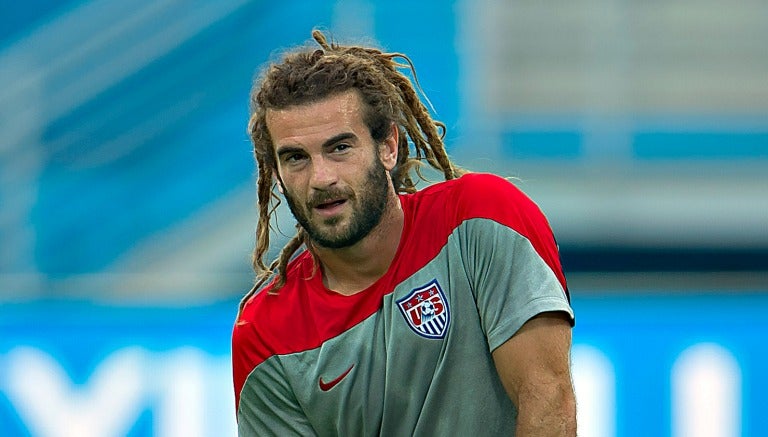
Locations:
(534, 366)
(521, 294)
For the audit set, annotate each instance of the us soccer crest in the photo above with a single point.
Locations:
(426, 310)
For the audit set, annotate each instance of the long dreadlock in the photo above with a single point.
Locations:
(307, 76)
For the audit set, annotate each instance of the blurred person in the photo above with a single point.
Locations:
(440, 311)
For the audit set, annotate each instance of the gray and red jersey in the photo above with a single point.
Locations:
(411, 354)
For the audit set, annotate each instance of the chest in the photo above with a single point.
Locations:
(425, 338)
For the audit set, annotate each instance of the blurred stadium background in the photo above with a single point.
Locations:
(127, 194)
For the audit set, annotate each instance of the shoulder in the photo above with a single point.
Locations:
(257, 296)
(474, 187)
(264, 313)
(481, 195)
(268, 322)
(448, 205)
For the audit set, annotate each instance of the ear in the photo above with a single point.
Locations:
(388, 149)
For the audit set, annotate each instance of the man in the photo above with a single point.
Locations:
(435, 312)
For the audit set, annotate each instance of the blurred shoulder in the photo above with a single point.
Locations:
(479, 194)
(267, 298)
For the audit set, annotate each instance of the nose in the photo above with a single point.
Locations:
(323, 174)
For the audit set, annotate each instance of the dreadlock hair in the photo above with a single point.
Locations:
(307, 76)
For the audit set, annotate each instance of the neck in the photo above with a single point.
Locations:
(353, 269)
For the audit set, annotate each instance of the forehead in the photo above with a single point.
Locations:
(316, 121)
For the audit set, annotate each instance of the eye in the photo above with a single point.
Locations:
(293, 158)
(341, 147)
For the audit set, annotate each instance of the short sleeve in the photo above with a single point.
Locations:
(510, 282)
(268, 406)
(265, 401)
(511, 258)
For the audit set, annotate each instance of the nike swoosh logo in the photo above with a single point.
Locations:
(325, 386)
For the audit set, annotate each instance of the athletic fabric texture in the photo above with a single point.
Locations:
(411, 354)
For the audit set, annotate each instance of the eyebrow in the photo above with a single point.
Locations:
(283, 150)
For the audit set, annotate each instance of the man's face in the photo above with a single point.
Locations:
(334, 177)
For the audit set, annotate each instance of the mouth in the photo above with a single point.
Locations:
(330, 205)
(330, 208)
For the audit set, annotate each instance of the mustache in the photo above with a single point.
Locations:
(326, 196)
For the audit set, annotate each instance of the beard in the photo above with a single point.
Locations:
(367, 209)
